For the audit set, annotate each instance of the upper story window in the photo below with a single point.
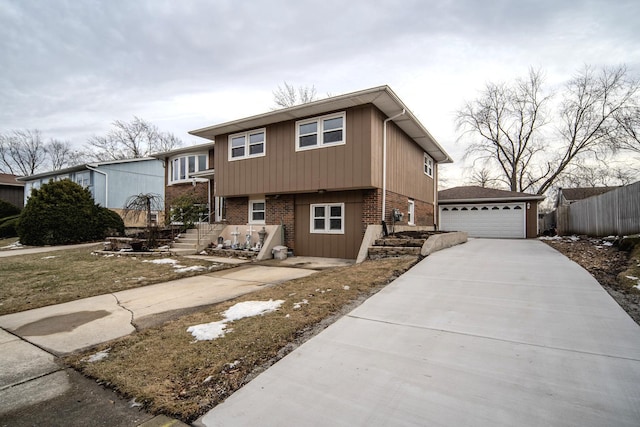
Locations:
(187, 164)
(428, 165)
(321, 132)
(247, 144)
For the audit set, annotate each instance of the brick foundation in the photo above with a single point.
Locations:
(281, 210)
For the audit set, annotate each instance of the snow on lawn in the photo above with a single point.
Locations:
(16, 245)
(96, 357)
(213, 330)
(48, 257)
(178, 268)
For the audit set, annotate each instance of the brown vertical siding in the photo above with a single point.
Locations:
(532, 219)
(283, 170)
(344, 245)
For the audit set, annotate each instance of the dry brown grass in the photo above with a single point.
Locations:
(38, 280)
(170, 373)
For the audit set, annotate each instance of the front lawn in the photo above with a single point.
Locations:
(170, 372)
(32, 281)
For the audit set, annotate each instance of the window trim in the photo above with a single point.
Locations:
(251, 211)
(185, 164)
(327, 219)
(428, 165)
(247, 144)
(319, 120)
(411, 213)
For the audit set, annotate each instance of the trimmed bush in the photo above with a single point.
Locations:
(8, 226)
(62, 212)
(110, 222)
(7, 209)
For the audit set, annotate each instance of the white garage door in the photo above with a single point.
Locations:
(500, 220)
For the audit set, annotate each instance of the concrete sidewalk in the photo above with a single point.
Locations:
(489, 333)
(42, 249)
(32, 382)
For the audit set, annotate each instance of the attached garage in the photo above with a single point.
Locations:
(490, 213)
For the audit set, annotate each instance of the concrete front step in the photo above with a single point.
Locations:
(394, 242)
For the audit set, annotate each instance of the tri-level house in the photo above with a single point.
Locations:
(325, 171)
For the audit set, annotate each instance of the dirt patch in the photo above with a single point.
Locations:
(607, 264)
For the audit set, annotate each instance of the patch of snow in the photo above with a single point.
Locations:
(203, 253)
(346, 287)
(96, 357)
(134, 404)
(163, 261)
(234, 364)
(298, 305)
(208, 331)
(607, 244)
(206, 380)
(251, 308)
(48, 257)
(574, 238)
(549, 238)
(108, 255)
(192, 268)
(213, 330)
(632, 277)
(287, 316)
(15, 245)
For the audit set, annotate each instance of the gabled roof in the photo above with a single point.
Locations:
(81, 167)
(382, 97)
(473, 193)
(573, 194)
(8, 179)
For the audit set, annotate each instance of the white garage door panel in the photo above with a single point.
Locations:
(502, 220)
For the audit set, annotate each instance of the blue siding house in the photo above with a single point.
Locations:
(111, 183)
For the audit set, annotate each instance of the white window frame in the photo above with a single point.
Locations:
(181, 178)
(428, 165)
(83, 174)
(248, 144)
(252, 211)
(320, 131)
(327, 218)
(411, 213)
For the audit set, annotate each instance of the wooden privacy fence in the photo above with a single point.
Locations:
(614, 213)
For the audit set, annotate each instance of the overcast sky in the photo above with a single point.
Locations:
(70, 68)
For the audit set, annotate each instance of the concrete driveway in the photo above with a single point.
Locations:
(30, 376)
(488, 333)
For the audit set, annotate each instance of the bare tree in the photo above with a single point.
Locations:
(129, 140)
(629, 121)
(22, 152)
(288, 96)
(484, 177)
(508, 123)
(507, 118)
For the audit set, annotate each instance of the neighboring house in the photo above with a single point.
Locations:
(487, 212)
(11, 190)
(566, 196)
(111, 183)
(325, 170)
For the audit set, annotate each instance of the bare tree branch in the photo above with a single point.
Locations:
(22, 152)
(288, 96)
(130, 140)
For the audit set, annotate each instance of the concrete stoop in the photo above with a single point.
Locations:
(188, 243)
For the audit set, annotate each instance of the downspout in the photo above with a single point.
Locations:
(384, 164)
(436, 213)
(106, 184)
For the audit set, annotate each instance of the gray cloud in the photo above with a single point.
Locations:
(71, 67)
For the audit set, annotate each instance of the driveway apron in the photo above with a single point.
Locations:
(488, 333)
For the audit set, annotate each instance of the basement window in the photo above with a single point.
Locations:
(327, 218)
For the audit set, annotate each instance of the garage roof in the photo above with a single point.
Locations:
(473, 193)
(382, 97)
